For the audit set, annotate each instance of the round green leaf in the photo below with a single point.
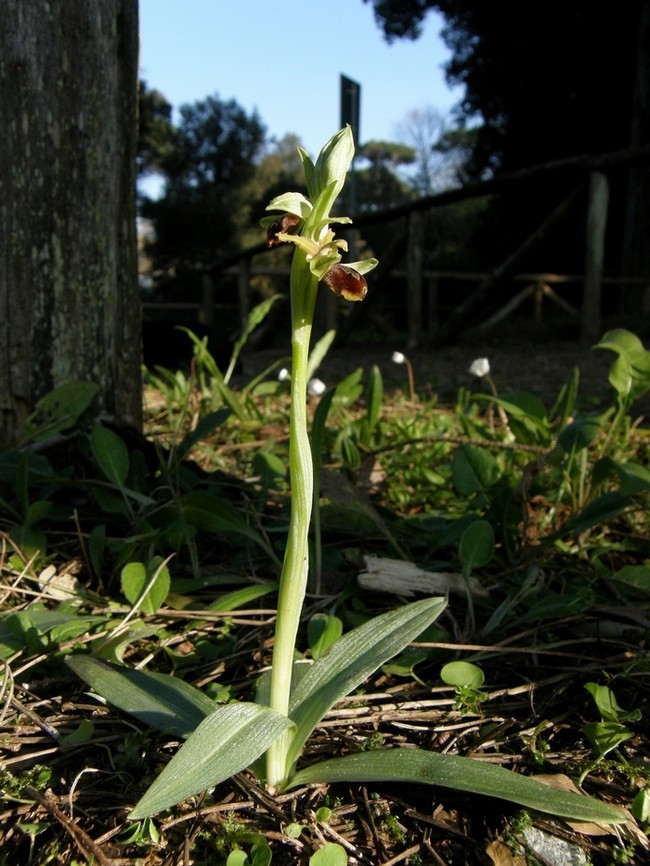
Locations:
(462, 674)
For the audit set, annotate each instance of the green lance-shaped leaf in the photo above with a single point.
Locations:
(461, 774)
(226, 742)
(159, 700)
(476, 546)
(351, 660)
(111, 454)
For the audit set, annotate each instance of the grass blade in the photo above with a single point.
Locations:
(461, 774)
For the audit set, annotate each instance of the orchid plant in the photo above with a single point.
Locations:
(293, 697)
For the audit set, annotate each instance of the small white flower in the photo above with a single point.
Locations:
(284, 375)
(398, 358)
(315, 387)
(479, 367)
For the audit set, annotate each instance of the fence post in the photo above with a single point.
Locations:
(414, 268)
(594, 252)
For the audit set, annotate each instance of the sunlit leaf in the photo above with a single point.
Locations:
(159, 700)
(226, 742)
(462, 674)
(351, 660)
(152, 579)
(461, 774)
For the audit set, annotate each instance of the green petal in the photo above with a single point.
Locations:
(334, 160)
(321, 264)
(364, 266)
(291, 202)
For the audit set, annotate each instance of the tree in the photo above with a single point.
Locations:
(156, 132)
(422, 130)
(534, 76)
(203, 208)
(543, 82)
(68, 272)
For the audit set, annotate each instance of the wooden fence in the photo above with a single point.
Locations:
(584, 171)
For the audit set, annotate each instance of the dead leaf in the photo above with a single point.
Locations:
(501, 855)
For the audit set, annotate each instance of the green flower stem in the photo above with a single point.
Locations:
(293, 579)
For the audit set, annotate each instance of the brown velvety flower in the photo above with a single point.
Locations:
(286, 224)
(346, 282)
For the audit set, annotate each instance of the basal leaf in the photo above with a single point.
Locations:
(351, 660)
(226, 742)
(461, 774)
(159, 700)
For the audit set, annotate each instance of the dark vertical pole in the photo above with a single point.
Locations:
(594, 252)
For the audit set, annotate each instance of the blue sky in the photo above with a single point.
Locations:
(285, 58)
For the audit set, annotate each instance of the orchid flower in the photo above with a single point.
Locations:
(307, 225)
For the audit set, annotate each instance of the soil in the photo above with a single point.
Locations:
(521, 359)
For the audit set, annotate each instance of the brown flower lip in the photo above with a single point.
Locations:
(286, 223)
(346, 283)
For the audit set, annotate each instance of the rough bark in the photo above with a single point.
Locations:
(69, 305)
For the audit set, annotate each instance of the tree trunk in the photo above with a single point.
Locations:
(69, 304)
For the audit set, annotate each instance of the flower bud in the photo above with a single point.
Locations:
(316, 387)
(479, 367)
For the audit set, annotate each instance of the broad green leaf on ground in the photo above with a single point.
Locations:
(474, 470)
(351, 660)
(580, 433)
(152, 579)
(462, 674)
(159, 700)
(323, 630)
(476, 546)
(60, 409)
(629, 375)
(635, 577)
(608, 706)
(226, 742)
(330, 854)
(461, 774)
(111, 454)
